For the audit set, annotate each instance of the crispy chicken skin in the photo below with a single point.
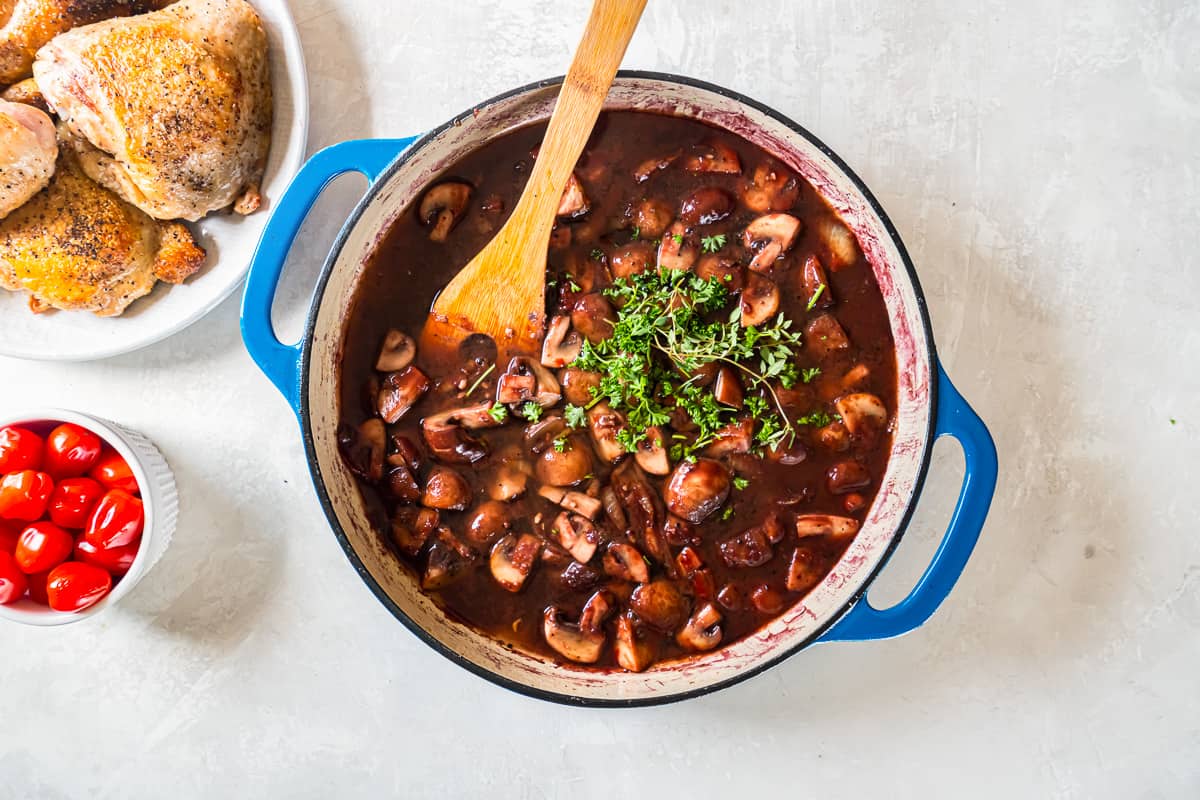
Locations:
(27, 153)
(171, 110)
(26, 25)
(77, 246)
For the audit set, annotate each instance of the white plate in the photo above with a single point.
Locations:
(229, 239)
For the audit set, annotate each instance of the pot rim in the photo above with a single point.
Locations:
(383, 597)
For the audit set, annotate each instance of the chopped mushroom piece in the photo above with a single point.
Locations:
(736, 437)
(605, 424)
(845, 477)
(824, 336)
(632, 259)
(706, 205)
(750, 548)
(574, 202)
(577, 385)
(592, 316)
(817, 293)
(678, 532)
(843, 248)
(676, 251)
(727, 389)
(825, 525)
(714, 266)
(402, 485)
(760, 299)
(443, 206)
(659, 604)
(446, 561)
(651, 453)
(449, 441)
(363, 448)
(651, 216)
(635, 651)
(713, 157)
(509, 483)
(804, 570)
(489, 522)
(771, 235)
(396, 353)
(596, 611)
(565, 467)
(626, 563)
(561, 345)
(771, 189)
(411, 528)
(863, 414)
(834, 436)
(399, 392)
(446, 489)
(526, 380)
(512, 560)
(577, 535)
(702, 631)
(697, 489)
(653, 165)
(569, 640)
(572, 501)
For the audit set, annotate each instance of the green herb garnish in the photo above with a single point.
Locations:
(637, 233)
(597, 254)
(479, 380)
(812, 301)
(740, 483)
(531, 411)
(498, 412)
(560, 443)
(576, 416)
(678, 237)
(711, 244)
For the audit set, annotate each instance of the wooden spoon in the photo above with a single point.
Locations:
(502, 291)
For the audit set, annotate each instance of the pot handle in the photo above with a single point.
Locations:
(281, 362)
(954, 418)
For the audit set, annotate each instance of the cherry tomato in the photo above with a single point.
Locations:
(24, 494)
(10, 530)
(71, 451)
(37, 587)
(72, 502)
(113, 473)
(74, 586)
(117, 520)
(117, 560)
(42, 546)
(19, 449)
(12, 581)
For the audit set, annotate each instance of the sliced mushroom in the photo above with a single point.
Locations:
(855, 378)
(651, 216)
(697, 489)
(825, 525)
(651, 453)
(569, 640)
(363, 448)
(593, 317)
(767, 599)
(659, 604)
(443, 206)
(446, 561)
(576, 577)
(402, 485)
(804, 570)
(411, 528)
(720, 268)
(727, 389)
(706, 205)
(688, 561)
(488, 522)
(604, 424)
(446, 489)
(632, 259)
(678, 532)
(540, 435)
(863, 414)
(596, 611)
(404, 452)
(730, 598)
(640, 504)
(578, 502)
(817, 293)
(702, 631)
(748, 549)
(771, 189)
(635, 651)
(626, 563)
(578, 535)
(676, 251)
(833, 437)
(579, 386)
(713, 157)
(509, 483)
(396, 353)
(840, 242)
(845, 477)
(399, 392)
(760, 299)
(526, 380)
(565, 467)
(449, 441)
(512, 560)
(561, 345)
(825, 336)
(771, 235)
(574, 202)
(736, 437)
(653, 165)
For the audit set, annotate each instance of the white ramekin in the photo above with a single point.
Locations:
(160, 503)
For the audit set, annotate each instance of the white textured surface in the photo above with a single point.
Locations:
(1040, 162)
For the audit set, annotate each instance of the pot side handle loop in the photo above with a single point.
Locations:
(281, 362)
(954, 418)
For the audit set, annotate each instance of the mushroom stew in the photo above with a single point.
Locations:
(700, 436)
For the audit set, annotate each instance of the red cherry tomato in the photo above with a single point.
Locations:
(24, 494)
(19, 449)
(72, 502)
(37, 587)
(12, 581)
(10, 530)
(113, 473)
(71, 451)
(117, 520)
(42, 546)
(74, 586)
(116, 560)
